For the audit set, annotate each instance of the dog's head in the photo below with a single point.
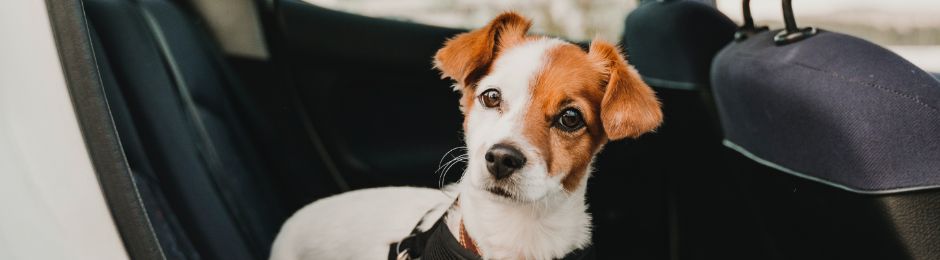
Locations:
(538, 109)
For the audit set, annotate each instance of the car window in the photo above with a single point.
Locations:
(573, 19)
(910, 28)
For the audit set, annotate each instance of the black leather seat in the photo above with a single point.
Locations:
(173, 240)
(839, 145)
(205, 164)
(671, 44)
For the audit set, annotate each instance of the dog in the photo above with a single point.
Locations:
(536, 112)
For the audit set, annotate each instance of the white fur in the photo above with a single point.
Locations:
(541, 221)
(358, 224)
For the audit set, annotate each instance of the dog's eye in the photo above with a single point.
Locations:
(491, 98)
(570, 120)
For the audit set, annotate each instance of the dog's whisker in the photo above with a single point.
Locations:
(450, 164)
(447, 153)
(443, 175)
(442, 169)
(442, 166)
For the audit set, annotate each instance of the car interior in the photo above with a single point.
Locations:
(780, 143)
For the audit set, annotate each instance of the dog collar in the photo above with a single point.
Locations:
(466, 241)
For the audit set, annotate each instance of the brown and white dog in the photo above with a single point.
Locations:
(537, 110)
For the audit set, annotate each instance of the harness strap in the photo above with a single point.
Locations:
(438, 243)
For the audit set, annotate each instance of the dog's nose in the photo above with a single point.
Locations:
(502, 160)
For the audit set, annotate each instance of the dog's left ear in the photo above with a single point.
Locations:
(629, 107)
(468, 56)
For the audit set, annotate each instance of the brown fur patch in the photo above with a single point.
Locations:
(467, 57)
(569, 79)
(613, 100)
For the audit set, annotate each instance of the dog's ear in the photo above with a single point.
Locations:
(629, 107)
(467, 57)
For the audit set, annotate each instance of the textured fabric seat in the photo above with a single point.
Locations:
(838, 143)
(861, 118)
(205, 163)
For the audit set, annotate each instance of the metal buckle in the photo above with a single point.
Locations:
(403, 255)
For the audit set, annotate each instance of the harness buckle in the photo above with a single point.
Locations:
(403, 251)
(403, 255)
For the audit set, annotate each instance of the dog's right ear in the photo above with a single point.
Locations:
(467, 57)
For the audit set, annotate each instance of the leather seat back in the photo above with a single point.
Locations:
(671, 44)
(185, 131)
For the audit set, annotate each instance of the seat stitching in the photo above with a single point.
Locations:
(846, 79)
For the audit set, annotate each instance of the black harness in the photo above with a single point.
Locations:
(438, 243)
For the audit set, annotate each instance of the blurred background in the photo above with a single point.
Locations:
(910, 28)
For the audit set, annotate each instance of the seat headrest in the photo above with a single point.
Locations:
(831, 108)
(672, 43)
